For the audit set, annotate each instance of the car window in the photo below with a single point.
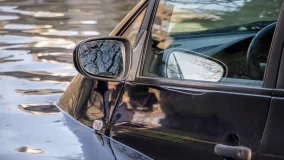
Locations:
(133, 29)
(209, 40)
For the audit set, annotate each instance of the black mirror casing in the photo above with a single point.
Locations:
(126, 51)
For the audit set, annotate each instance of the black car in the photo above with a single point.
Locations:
(183, 79)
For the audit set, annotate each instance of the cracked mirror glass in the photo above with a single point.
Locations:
(102, 57)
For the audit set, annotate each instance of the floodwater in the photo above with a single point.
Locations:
(36, 42)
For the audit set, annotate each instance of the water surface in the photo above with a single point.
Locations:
(36, 42)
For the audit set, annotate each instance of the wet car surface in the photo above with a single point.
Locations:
(36, 42)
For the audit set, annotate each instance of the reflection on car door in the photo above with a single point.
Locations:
(175, 119)
(84, 101)
(182, 123)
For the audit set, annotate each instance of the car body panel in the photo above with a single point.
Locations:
(144, 119)
(139, 127)
(273, 140)
(92, 145)
(86, 100)
(168, 123)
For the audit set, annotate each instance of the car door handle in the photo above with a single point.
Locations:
(234, 152)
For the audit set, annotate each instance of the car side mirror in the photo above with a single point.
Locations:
(103, 58)
(190, 65)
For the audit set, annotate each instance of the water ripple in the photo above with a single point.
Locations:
(29, 150)
(13, 9)
(8, 17)
(37, 38)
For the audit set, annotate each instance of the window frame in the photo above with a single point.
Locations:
(268, 83)
(279, 39)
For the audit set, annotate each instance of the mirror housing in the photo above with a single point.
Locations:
(103, 58)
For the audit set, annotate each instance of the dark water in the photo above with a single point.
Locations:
(36, 42)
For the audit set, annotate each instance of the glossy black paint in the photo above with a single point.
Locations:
(93, 145)
(123, 152)
(97, 145)
(86, 100)
(168, 119)
(167, 123)
(273, 139)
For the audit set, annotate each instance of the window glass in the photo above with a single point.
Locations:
(223, 41)
(133, 29)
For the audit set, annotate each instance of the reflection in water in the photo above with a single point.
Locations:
(40, 76)
(8, 17)
(38, 108)
(13, 9)
(29, 150)
(36, 43)
(15, 39)
(54, 32)
(6, 59)
(12, 26)
(53, 57)
(89, 22)
(39, 91)
(52, 42)
(57, 32)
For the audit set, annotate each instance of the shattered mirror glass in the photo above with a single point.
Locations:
(102, 57)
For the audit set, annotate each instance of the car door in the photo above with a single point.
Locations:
(205, 76)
